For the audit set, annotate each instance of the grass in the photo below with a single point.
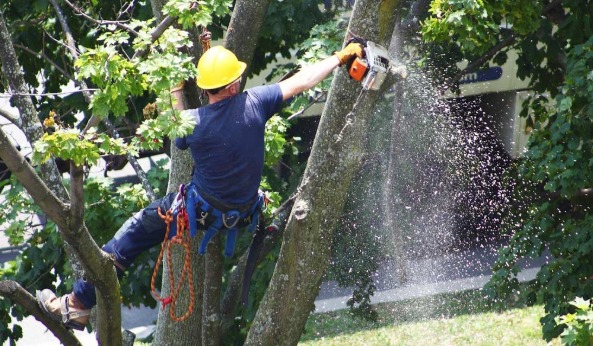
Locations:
(464, 318)
(455, 319)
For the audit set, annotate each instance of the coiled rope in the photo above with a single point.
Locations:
(181, 238)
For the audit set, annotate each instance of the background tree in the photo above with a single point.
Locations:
(553, 40)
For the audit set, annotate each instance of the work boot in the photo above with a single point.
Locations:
(65, 309)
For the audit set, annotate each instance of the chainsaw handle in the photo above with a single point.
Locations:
(357, 67)
(356, 39)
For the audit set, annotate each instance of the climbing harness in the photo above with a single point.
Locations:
(177, 218)
(215, 216)
(190, 212)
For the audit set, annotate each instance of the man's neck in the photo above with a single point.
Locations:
(221, 95)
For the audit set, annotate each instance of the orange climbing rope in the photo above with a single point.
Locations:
(205, 38)
(181, 238)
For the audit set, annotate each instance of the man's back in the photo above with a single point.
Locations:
(227, 144)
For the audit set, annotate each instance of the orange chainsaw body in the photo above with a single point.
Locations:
(358, 69)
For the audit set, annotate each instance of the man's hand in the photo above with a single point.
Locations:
(351, 51)
(177, 96)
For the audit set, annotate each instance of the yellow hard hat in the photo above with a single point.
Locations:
(218, 67)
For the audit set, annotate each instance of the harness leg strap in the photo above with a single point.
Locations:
(231, 237)
(191, 214)
(210, 232)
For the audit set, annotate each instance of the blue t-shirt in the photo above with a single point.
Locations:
(227, 144)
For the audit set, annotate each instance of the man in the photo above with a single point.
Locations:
(227, 147)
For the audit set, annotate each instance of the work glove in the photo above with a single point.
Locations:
(351, 51)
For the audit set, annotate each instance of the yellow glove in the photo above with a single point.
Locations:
(351, 51)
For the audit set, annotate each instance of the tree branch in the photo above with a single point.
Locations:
(486, 56)
(554, 12)
(26, 174)
(233, 292)
(117, 23)
(46, 58)
(8, 115)
(14, 291)
(76, 196)
(509, 40)
(417, 11)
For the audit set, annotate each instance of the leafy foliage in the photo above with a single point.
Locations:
(579, 325)
(70, 144)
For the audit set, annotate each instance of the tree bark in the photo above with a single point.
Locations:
(211, 316)
(187, 332)
(335, 158)
(244, 27)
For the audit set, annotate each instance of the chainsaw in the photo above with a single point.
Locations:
(373, 67)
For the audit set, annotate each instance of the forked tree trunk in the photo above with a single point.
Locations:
(241, 38)
(335, 158)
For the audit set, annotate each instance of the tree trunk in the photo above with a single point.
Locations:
(335, 158)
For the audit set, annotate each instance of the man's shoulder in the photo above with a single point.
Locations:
(269, 93)
(268, 88)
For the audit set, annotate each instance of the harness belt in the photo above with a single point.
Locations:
(214, 216)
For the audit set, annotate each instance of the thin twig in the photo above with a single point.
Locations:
(46, 58)
(117, 23)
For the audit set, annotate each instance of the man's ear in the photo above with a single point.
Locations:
(235, 89)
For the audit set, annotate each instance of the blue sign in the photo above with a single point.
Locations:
(493, 73)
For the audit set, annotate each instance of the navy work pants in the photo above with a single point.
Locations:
(139, 233)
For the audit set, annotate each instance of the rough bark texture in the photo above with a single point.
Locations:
(211, 318)
(335, 158)
(244, 27)
(30, 124)
(241, 38)
(186, 332)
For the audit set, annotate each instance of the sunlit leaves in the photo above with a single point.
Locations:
(579, 325)
(472, 24)
(189, 17)
(165, 70)
(119, 74)
(69, 144)
(276, 143)
(323, 41)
